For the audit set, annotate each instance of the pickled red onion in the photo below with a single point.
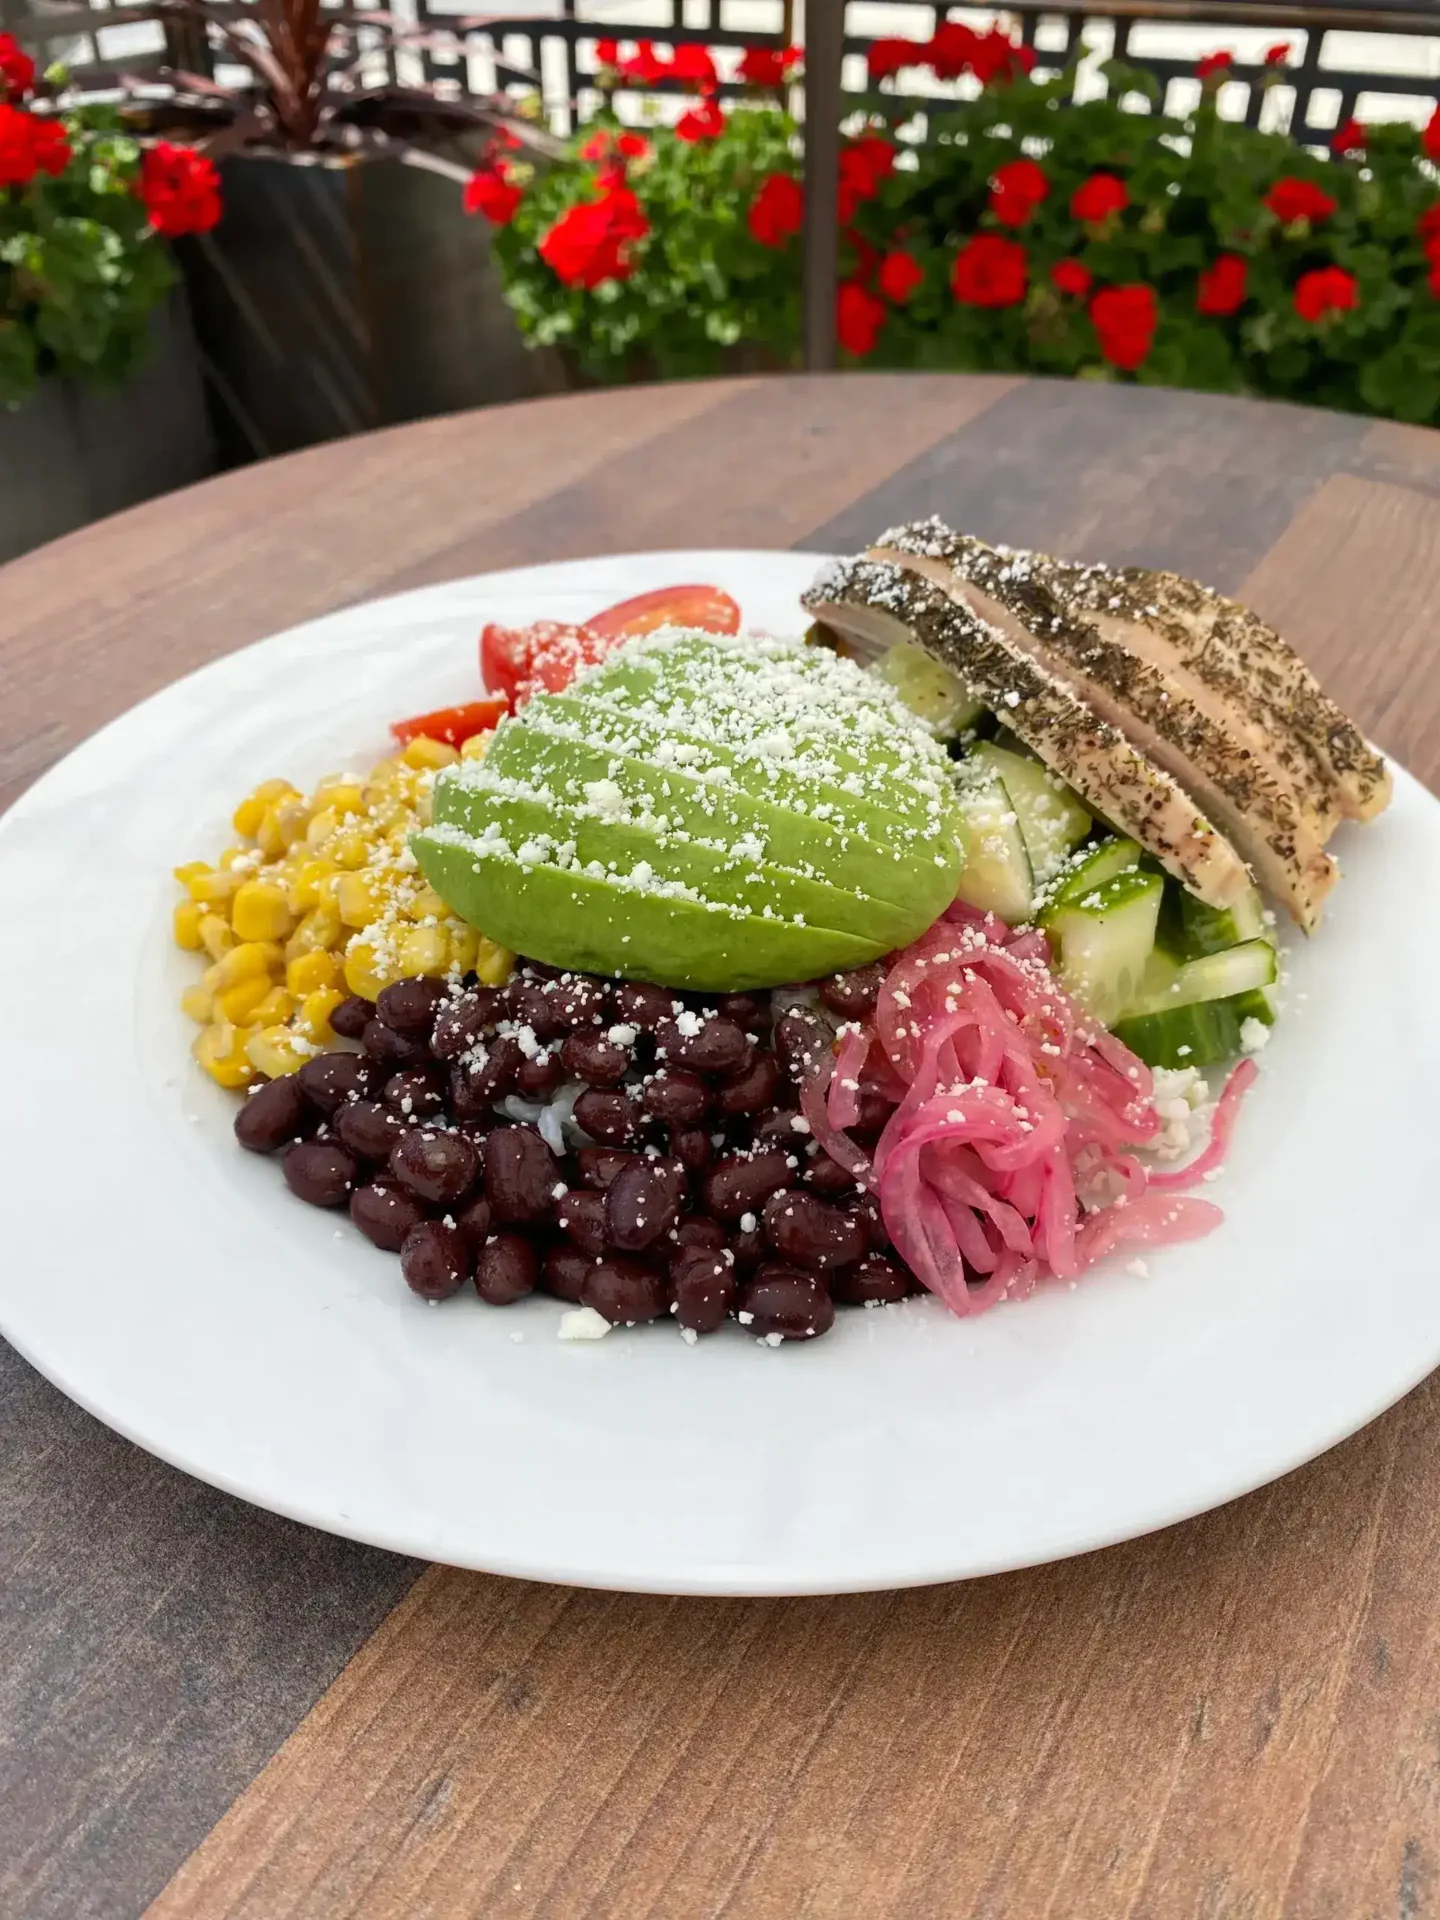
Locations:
(1010, 1156)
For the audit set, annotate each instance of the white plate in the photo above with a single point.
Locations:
(168, 1282)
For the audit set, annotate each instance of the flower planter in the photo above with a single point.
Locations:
(71, 455)
(341, 294)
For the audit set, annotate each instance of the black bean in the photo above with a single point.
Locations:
(591, 1057)
(853, 995)
(477, 1082)
(624, 1290)
(802, 1041)
(875, 1278)
(608, 1115)
(810, 1234)
(435, 1260)
(751, 1010)
(828, 1176)
(506, 1268)
(392, 1050)
(716, 1045)
(753, 1090)
(780, 1126)
(564, 1271)
(352, 1016)
(521, 1174)
(640, 1005)
(692, 1147)
(599, 1165)
(742, 1182)
(320, 1172)
(475, 1221)
(786, 1301)
(533, 1007)
(539, 1076)
(275, 1114)
(367, 1129)
(329, 1078)
(866, 1209)
(410, 1006)
(748, 1247)
(439, 1167)
(642, 1203)
(462, 1021)
(581, 1218)
(385, 1213)
(704, 1287)
(695, 1233)
(679, 1098)
(579, 1000)
(875, 1111)
(417, 1093)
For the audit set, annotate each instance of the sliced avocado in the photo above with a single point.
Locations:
(569, 919)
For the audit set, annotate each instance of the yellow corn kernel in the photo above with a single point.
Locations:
(191, 870)
(303, 892)
(357, 895)
(276, 1051)
(211, 889)
(365, 972)
(187, 918)
(340, 797)
(477, 746)
(351, 848)
(421, 950)
(313, 1018)
(247, 817)
(422, 751)
(255, 960)
(427, 905)
(310, 972)
(237, 857)
(215, 935)
(292, 819)
(320, 929)
(464, 945)
(268, 836)
(493, 964)
(198, 1004)
(382, 778)
(238, 1003)
(220, 1050)
(260, 911)
(273, 1011)
(323, 826)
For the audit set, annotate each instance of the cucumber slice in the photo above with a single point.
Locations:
(1105, 938)
(1090, 868)
(1189, 929)
(996, 876)
(1052, 820)
(1193, 1036)
(931, 691)
(1246, 969)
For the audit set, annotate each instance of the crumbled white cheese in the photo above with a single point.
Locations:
(583, 1323)
(1254, 1034)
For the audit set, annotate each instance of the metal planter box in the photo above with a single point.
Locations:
(70, 455)
(341, 294)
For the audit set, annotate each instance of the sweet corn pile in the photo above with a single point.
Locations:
(318, 899)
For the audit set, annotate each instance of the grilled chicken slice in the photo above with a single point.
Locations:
(876, 604)
(1248, 797)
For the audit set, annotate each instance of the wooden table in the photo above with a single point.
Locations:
(205, 1711)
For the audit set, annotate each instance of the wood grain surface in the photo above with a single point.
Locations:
(207, 1714)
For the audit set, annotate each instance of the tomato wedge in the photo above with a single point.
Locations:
(453, 725)
(704, 607)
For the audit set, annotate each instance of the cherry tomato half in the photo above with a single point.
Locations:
(453, 725)
(704, 607)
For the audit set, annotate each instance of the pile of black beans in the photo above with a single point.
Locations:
(701, 1195)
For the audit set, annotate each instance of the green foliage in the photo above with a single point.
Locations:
(1197, 189)
(80, 267)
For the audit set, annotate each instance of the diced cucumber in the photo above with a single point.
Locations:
(1245, 969)
(1105, 938)
(1052, 819)
(1091, 867)
(930, 690)
(1189, 929)
(996, 876)
(1193, 1036)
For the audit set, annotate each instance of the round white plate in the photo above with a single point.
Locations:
(170, 1284)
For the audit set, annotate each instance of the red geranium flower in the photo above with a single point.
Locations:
(646, 64)
(590, 243)
(29, 145)
(777, 210)
(1349, 137)
(867, 260)
(1428, 225)
(180, 190)
(1291, 199)
(1016, 190)
(595, 148)
(488, 191)
(1325, 290)
(607, 53)
(996, 57)
(888, 57)
(633, 146)
(1071, 276)
(1430, 138)
(900, 274)
(768, 66)
(17, 69)
(1277, 55)
(695, 65)
(863, 165)
(1098, 197)
(1212, 64)
(1125, 319)
(705, 122)
(1222, 285)
(859, 316)
(951, 51)
(989, 272)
